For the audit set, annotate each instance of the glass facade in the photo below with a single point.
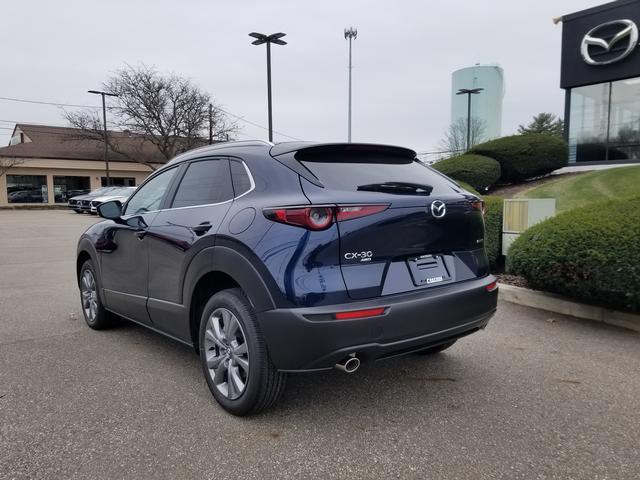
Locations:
(604, 122)
(27, 189)
(66, 187)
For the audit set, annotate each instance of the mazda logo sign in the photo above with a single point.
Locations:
(438, 208)
(600, 39)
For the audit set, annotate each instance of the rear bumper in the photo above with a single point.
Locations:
(302, 339)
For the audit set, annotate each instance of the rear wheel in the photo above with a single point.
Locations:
(436, 349)
(94, 313)
(234, 356)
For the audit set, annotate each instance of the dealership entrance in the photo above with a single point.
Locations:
(601, 77)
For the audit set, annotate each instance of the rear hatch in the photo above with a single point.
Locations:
(430, 233)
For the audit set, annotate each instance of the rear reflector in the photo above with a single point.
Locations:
(371, 312)
(492, 286)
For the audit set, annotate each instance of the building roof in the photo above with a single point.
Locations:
(43, 141)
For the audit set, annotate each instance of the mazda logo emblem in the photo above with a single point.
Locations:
(627, 31)
(438, 208)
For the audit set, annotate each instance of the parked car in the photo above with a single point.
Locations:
(82, 203)
(120, 193)
(296, 257)
(27, 196)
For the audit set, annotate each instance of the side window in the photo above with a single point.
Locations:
(150, 195)
(205, 182)
(241, 180)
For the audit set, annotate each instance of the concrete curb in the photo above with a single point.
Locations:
(558, 304)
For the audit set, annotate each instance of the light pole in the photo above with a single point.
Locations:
(261, 38)
(104, 127)
(350, 34)
(468, 92)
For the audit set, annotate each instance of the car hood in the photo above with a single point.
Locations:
(107, 198)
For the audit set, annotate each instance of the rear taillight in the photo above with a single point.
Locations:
(491, 287)
(348, 212)
(320, 217)
(478, 205)
(312, 218)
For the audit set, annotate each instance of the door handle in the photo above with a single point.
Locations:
(201, 229)
(140, 234)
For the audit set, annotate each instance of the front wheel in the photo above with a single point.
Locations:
(234, 356)
(94, 313)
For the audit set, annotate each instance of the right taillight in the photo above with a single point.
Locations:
(320, 217)
(478, 205)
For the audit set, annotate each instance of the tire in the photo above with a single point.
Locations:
(243, 384)
(436, 349)
(94, 313)
(78, 211)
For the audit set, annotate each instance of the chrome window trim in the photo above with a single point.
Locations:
(251, 182)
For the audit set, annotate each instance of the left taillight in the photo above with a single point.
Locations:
(320, 217)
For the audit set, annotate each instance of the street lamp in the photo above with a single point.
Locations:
(468, 92)
(350, 34)
(261, 38)
(104, 126)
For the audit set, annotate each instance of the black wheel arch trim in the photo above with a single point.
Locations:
(229, 260)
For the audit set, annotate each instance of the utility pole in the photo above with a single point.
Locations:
(350, 34)
(468, 92)
(104, 128)
(210, 124)
(261, 38)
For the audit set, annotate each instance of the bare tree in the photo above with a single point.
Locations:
(455, 138)
(167, 111)
(7, 164)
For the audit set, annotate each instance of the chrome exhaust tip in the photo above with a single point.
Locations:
(349, 365)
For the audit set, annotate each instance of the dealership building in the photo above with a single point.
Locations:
(600, 74)
(50, 164)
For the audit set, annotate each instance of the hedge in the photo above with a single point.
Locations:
(525, 156)
(590, 253)
(478, 171)
(493, 228)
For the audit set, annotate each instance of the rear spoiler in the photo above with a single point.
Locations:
(302, 149)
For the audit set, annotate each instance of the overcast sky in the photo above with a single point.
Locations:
(403, 59)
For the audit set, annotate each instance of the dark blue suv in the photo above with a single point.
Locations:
(293, 257)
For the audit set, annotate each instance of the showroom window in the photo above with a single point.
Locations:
(66, 187)
(604, 122)
(119, 181)
(27, 189)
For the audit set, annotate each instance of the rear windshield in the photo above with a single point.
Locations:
(349, 173)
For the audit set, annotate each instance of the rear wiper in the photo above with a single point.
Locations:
(400, 188)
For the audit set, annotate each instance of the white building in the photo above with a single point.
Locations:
(486, 105)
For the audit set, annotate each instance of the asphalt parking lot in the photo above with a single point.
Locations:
(535, 395)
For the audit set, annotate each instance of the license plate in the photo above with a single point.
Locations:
(428, 270)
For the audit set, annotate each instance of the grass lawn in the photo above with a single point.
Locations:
(579, 190)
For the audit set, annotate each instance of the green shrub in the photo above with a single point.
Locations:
(590, 253)
(478, 171)
(468, 188)
(525, 156)
(493, 228)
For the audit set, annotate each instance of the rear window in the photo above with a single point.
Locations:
(348, 172)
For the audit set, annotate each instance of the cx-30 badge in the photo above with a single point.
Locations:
(438, 208)
(627, 31)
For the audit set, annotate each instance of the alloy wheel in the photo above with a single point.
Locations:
(89, 296)
(227, 353)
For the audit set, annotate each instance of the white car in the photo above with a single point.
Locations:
(121, 193)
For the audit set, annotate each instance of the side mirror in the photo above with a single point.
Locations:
(110, 210)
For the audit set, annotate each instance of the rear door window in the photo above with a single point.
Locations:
(204, 183)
